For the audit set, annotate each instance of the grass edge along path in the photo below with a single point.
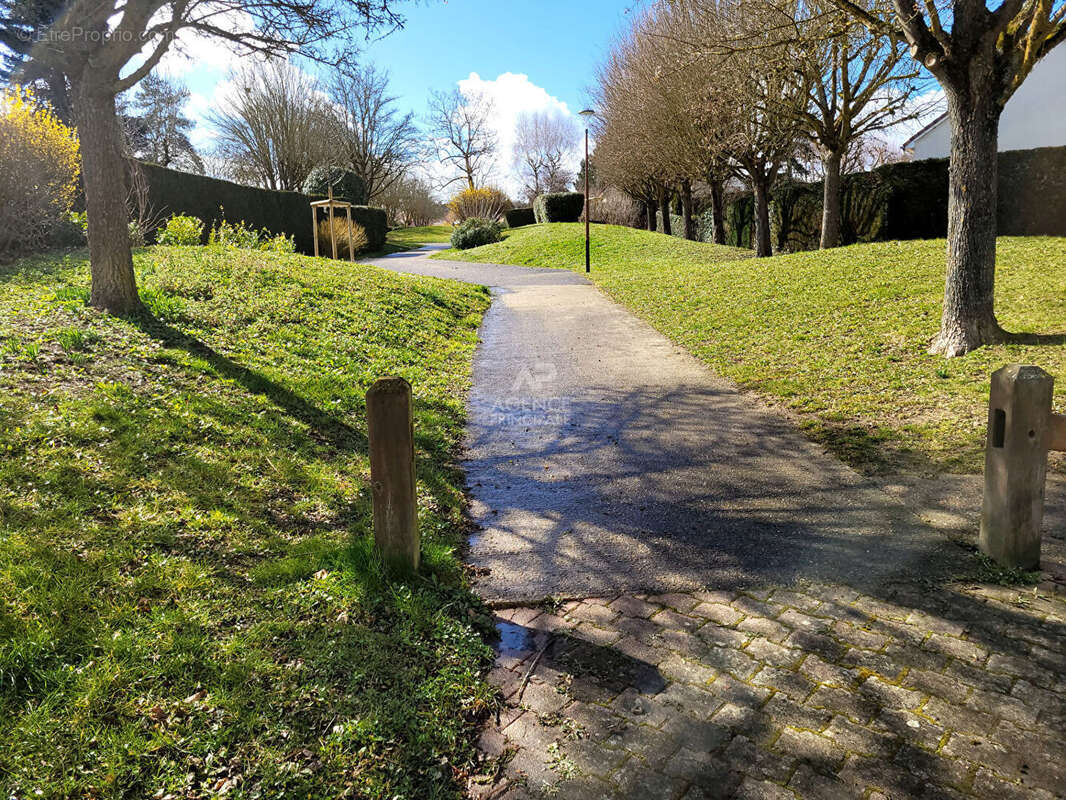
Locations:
(837, 337)
(190, 605)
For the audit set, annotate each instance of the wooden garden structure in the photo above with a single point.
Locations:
(329, 204)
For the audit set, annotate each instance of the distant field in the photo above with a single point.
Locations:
(839, 337)
(405, 238)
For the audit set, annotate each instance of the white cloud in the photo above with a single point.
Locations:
(513, 95)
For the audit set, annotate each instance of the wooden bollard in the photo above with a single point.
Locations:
(392, 471)
(1021, 430)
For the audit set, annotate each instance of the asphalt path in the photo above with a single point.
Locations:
(601, 458)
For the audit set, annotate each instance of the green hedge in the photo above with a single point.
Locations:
(375, 222)
(517, 217)
(559, 207)
(210, 199)
(910, 201)
(740, 220)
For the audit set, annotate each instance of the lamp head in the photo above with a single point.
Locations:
(588, 112)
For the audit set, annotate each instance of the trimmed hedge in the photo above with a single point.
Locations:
(559, 207)
(375, 222)
(211, 200)
(910, 201)
(517, 217)
(740, 220)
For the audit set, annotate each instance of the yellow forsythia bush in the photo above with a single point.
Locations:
(39, 165)
(484, 203)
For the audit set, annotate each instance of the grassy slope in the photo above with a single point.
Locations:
(839, 336)
(188, 598)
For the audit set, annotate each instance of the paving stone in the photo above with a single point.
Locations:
(937, 684)
(632, 607)
(811, 785)
(889, 695)
(958, 718)
(853, 705)
(717, 613)
(780, 711)
(763, 790)
(955, 696)
(672, 620)
(636, 778)
(676, 600)
(810, 748)
(824, 672)
(768, 652)
(799, 621)
(758, 764)
(957, 648)
(680, 669)
(768, 628)
(860, 739)
(790, 683)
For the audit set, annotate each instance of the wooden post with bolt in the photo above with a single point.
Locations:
(392, 471)
(1021, 430)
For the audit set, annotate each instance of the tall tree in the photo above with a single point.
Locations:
(23, 24)
(277, 126)
(377, 142)
(463, 136)
(857, 84)
(544, 143)
(980, 52)
(157, 129)
(105, 47)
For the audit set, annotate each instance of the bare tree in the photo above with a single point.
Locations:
(105, 47)
(544, 143)
(276, 128)
(857, 84)
(376, 141)
(980, 53)
(463, 137)
(410, 202)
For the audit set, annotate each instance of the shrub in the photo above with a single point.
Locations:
(475, 232)
(517, 217)
(484, 203)
(39, 165)
(234, 234)
(559, 207)
(181, 229)
(278, 244)
(356, 245)
(346, 185)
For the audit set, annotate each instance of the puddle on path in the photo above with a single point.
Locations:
(514, 638)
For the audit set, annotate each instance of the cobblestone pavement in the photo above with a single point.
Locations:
(936, 691)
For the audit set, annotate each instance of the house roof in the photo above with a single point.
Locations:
(907, 144)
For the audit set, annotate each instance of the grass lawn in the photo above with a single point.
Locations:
(410, 238)
(189, 602)
(839, 337)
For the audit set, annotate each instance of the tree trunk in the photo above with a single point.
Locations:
(649, 212)
(664, 209)
(831, 191)
(686, 210)
(717, 212)
(114, 287)
(968, 319)
(761, 189)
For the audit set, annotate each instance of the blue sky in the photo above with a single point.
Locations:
(556, 43)
(527, 55)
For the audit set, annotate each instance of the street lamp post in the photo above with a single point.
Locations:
(587, 113)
